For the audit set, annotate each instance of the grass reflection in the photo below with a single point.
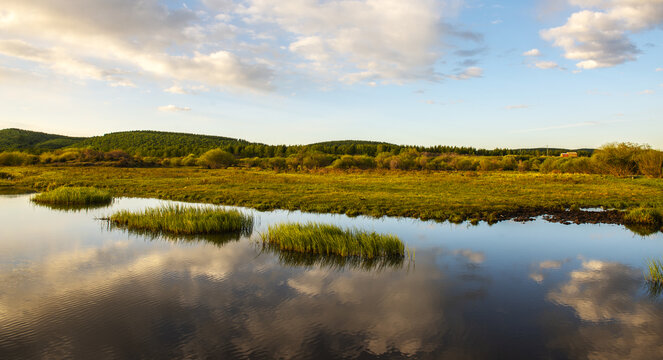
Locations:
(337, 262)
(216, 239)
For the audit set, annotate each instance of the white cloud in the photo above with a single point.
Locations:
(361, 40)
(469, 73)
(646, 92)
(516, 107)
(546, 65)
(533, 52)
(60, 62)
(173, 108)
(597, 36)
(659, 69)
(135, 37)
(187, 90)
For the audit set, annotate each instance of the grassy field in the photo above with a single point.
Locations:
(453, 196)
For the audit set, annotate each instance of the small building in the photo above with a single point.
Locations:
(569, 154)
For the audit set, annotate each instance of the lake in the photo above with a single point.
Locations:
(71, 287)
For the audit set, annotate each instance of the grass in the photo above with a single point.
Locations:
(184, 220)
(326, 239)
(74, 196)
(654, 277)
(457, 196)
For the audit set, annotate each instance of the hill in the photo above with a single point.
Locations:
(17, 139)
(158, 143)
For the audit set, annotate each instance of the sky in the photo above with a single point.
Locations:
(558, 73)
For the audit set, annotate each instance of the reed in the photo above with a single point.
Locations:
(74, 196)
(337, 262)
(326, 239)
(654, 271)
(184, 220)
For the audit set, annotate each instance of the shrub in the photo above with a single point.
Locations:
(650, 163)
(618, 159)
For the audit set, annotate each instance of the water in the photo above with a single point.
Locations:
(72, 288)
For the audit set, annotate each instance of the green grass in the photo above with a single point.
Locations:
(326, 239)
(654, 277)
(184, 220)
(644, 216)
(74, 196)
(457, 196)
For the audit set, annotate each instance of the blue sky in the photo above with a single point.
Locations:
(563, 73)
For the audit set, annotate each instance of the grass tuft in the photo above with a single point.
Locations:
(74, 196)
(184, 220)
(644, 216)
(326, 239)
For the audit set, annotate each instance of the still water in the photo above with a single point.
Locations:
(70, 287)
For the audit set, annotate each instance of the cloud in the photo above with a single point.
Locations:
(659, 69)
(60, 62)
(360, 41)
(598, 35)
(128, 37)
(533, 52)
(546, 65)
(646, 92)
(190, 90)
(173, 108)
(469, 73)
(516, 107)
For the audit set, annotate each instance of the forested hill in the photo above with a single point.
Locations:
(161, 144)
(17, 139)
(158, 143)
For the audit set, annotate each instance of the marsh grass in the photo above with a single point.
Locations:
(323, 239)
(184, 220)
(74, 197)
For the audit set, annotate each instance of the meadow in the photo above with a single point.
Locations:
(440, 195)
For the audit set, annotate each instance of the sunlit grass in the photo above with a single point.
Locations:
(326, 239)
(74, 196)
(184, 220)
(337, 262)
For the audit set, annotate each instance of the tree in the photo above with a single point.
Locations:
(217, 158)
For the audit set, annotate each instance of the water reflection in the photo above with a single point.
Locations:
(617, 321)
(70, 289)
(335, 262)
(215, 239)
(73, 208)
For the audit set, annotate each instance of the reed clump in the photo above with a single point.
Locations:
(654, 277)
(74, 196)
(184, 220)
(326, 239)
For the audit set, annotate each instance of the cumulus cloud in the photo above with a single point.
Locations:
(363, 40)
(226, 44)
(533, 52)
(598, 35)
(173, 108)
(132, 36)
(546, 65)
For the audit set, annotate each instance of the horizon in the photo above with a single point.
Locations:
(569, 74)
